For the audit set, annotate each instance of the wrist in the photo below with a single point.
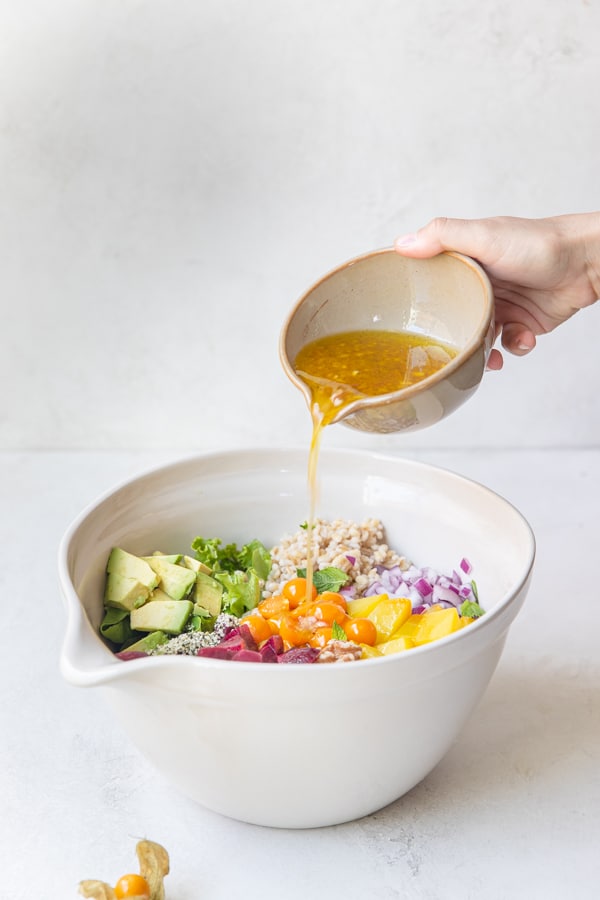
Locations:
(581, 233)
(592, 245)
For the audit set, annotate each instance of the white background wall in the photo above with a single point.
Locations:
(174, 174)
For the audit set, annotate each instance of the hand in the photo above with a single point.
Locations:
(542, 270)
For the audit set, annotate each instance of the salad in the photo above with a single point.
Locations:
(252, 604)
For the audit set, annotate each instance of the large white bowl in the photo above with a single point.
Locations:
(246, 739)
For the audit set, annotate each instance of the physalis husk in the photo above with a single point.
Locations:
(154, 865)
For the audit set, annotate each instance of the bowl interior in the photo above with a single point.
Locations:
(432, 516)
(447, 297)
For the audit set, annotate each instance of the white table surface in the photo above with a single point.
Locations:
(513, 811)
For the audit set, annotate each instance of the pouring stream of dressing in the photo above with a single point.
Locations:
(342, 368)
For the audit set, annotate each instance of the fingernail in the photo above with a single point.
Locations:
(408, 240)
(524, 348)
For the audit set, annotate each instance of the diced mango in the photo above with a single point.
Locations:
(362, 606)
(396, 645)
(464, 621)
(435, 624)
(369, 652)
(409, 628)
(389, 615)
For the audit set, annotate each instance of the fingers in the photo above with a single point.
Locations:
(495, 361)
(517, 339)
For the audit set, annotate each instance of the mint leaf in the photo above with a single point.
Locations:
(304, 525)
(327, 579)
(338, 633)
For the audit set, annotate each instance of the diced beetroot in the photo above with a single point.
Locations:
(247, 656)
(233, 644)
(218, 652)
(299, 655)
(231, 632)
(246, 636)
(275, 642)
(268, 653)
(130, 654)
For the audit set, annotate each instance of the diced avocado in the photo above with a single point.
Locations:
(149, 642)
(170, 616)
(159, 594)
(176, 581)
(124, 593)
(208, 593)
(129, 566)
(172, 558)
(195, 565)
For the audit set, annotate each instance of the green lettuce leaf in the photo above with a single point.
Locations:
(241, 591)
(471, 609)
(255, 556)
(229, 558)
(115, 626)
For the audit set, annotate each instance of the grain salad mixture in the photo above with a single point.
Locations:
(253, 604)
(357, 550)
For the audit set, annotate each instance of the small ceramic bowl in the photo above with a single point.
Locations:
(448, 297)
(230, 734)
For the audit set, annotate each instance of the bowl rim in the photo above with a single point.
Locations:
(407, 393)
(114, 669)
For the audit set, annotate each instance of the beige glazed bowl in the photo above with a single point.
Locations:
(448, 297)
(211, 727)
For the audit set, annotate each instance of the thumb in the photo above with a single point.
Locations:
(473, 237)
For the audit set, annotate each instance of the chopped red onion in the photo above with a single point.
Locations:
(423, 587)
(444, 595)
(466, 566)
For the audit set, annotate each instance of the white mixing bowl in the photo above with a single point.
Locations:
(246, 739)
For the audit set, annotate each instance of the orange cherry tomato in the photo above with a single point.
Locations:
(296, 591)
(361, 631)
(332, 597)
(294, 631)
(321, 636)
(258, 625)
(132, 887)
(273, 606)
(304, 609)
(329, 612)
